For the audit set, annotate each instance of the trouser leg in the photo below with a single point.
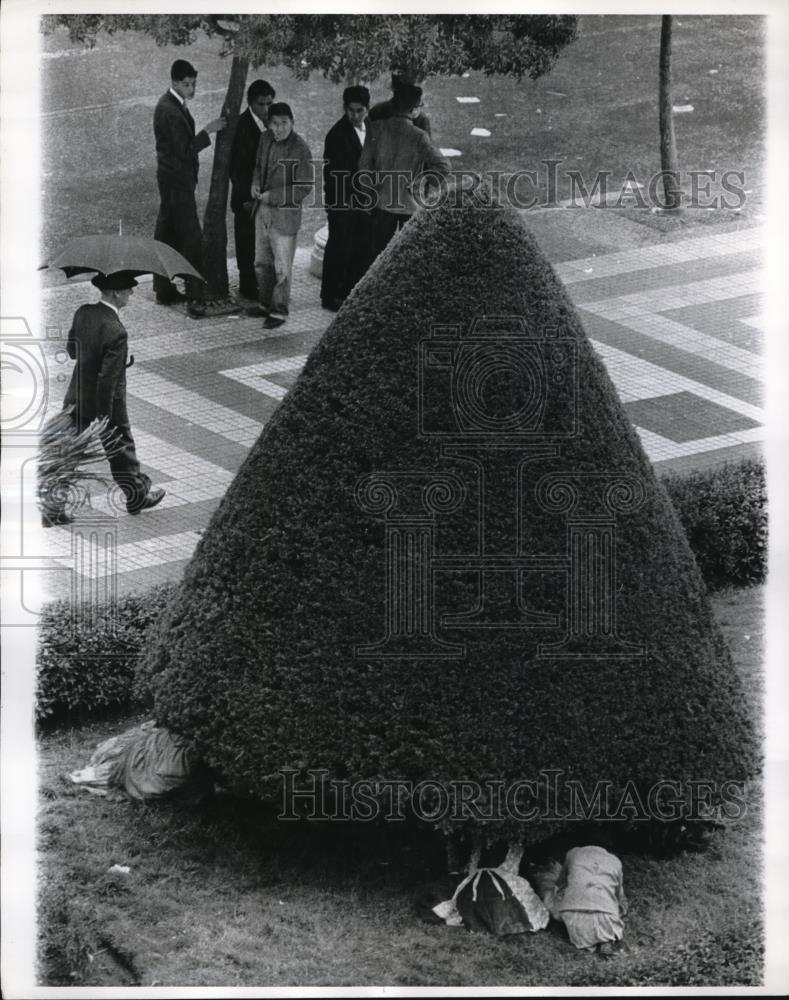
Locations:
(385, 225)
(179, 227)
(264, 260)
(284, 247)
(244, 231)
(335, 280)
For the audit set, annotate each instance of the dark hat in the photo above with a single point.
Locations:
(356, 95)
(115, 281)
(404, 80)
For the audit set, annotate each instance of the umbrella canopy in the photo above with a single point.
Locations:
(108, 254)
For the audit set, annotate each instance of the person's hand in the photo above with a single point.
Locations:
(248, 206)
(216, 125)
(264, 198)
(255, 192)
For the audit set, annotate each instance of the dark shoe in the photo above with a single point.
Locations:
(170, 298)
(332, 305)
(196, 309)
(605, 949)
(273, 322)
(152, 498)
(53, 518)
(257, 311)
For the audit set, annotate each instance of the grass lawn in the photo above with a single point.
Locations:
(223, 895)
(597, 110)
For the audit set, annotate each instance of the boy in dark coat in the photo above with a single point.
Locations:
(98, 342)
(251, 124)
(347, 252)
(177, 164)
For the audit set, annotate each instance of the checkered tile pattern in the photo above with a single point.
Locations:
(677, 325)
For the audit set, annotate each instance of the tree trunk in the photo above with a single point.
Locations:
(668, 146)
(215, 219)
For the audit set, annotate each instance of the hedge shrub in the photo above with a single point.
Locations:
(86, 664)
(255, 656)
(724, 513)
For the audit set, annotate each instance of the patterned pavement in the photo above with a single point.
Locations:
(676, 323)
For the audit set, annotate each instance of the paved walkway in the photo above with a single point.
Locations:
(677, 324)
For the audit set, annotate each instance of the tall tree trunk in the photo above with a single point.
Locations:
(215, 219)
(668, 146)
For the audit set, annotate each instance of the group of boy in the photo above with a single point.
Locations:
(271, 172)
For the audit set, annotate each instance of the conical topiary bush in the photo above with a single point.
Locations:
(447, 559)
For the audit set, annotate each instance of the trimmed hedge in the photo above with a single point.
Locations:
(255, 656)
(731, 550)
(724, 514)
(85, 664)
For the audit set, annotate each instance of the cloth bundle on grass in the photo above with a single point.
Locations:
(496, 900)
(144, 763)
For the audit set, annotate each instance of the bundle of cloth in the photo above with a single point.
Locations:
(144, 763)
(497, 900)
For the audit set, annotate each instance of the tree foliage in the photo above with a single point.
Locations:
(359, 46)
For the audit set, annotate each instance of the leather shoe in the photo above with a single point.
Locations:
(332, 305)
(152, 498)
(170, 298)
(196, 309)
(273, 322)
(257, 311)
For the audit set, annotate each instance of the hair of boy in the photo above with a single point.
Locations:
(280, 110)
(407, 97)
(182, 70)
(260, 88)
(356, 95)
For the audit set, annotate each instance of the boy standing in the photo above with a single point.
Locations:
(281, 181)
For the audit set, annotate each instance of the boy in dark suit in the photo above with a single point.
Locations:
(253, 122)
(177, 164)
(98, 342)
(347, 252)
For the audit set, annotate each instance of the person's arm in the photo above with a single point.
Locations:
(257, 173)
(71, 341)
(113, 360)
(433, 160)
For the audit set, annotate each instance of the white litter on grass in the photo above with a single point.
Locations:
(555, 93)
(480, 131)
(629, 185)
(500, 114)
(120, 869)
(466, 76)
(538, 111)
(682, 109)
(467, 100)
(451, 152)
(712, 72)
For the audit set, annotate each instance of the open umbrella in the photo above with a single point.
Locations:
(108, 254)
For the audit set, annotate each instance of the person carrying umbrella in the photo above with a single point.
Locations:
(98, 342)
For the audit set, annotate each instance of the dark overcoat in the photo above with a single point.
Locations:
(242, 159)
(177, 146)
(98, 342)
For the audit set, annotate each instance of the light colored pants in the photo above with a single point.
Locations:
(274, 253)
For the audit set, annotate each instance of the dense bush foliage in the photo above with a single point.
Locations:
(724, 514)
(86, 663)
(256, 656)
